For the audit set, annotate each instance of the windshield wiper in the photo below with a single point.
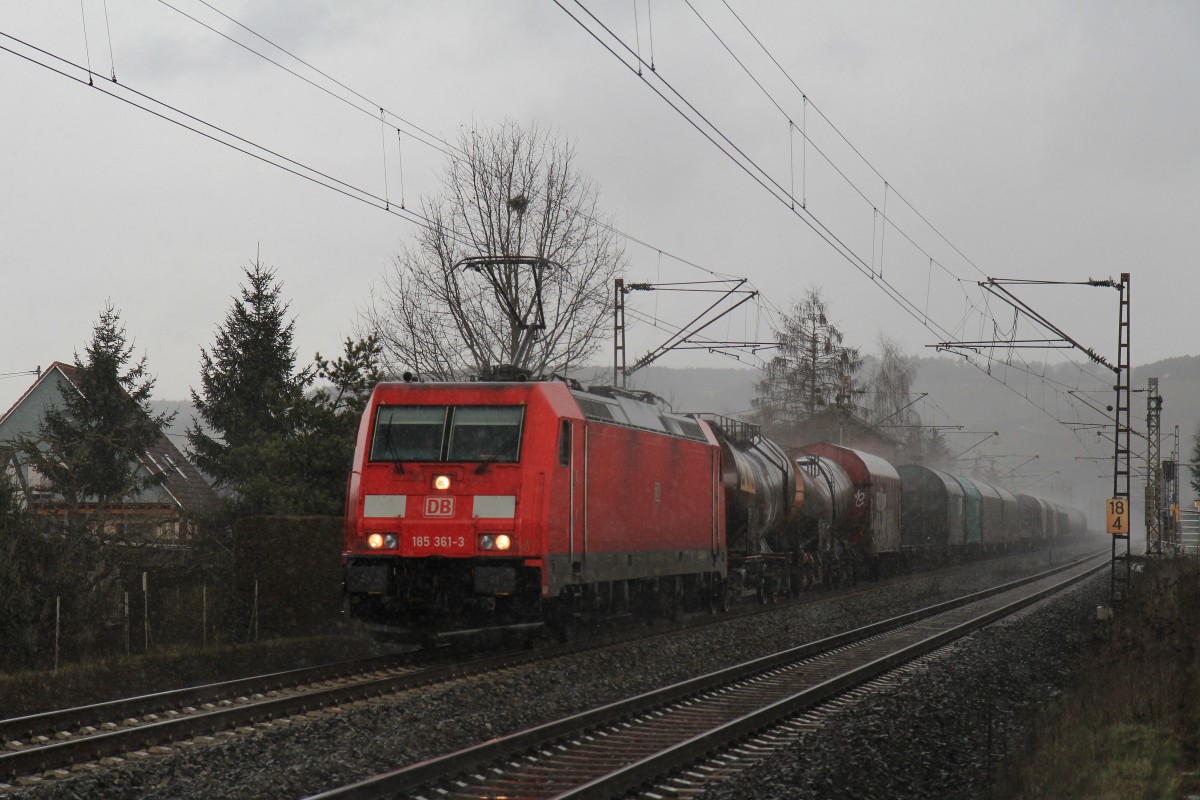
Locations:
(486, 462)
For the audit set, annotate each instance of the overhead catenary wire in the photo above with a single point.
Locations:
(637, 30)
(887, 188)
(442, 145)
(711, 132)
(214, 132)
(383, 131)
(806, 141)
(87, 50)
(748, 165)
(369, 108)
(385, 200)
(844, 138)
(112, 58)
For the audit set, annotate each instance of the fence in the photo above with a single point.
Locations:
(281, 576)
(1189, 532)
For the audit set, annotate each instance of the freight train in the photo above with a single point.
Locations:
(521, 504)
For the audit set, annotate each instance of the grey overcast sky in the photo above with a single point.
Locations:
(1043, 139)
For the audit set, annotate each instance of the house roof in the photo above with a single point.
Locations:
(61, 367)
(184, 484)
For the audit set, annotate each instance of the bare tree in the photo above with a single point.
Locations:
(508, 192)
(812, 367)
(890, 387)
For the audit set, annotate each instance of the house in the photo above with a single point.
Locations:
(163, 513)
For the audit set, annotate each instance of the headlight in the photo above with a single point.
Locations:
(441, 482)
(387, 541)
(495, 541)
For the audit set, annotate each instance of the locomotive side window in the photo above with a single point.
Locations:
(486, 433)
(564, 443)
(408, 433)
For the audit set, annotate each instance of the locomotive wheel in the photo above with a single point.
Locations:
(719, 600)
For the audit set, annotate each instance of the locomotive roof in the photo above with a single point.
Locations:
(626, 408)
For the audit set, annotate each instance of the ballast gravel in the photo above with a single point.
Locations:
(945, 731)
(926, 738)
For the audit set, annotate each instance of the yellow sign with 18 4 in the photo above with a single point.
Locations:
(1118, 516)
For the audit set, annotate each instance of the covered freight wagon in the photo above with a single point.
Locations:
(1010, 532)
(933, 508)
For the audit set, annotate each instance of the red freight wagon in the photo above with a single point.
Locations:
(480, 504)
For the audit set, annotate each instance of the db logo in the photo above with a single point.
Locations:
(439, 506)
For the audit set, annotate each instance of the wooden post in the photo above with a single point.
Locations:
(146, 610)
(256, 609)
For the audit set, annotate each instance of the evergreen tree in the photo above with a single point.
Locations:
(249, 384)
(88, 446)
(322, 451)
(278, 439)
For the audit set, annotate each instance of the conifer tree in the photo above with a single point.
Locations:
(276, 440)
(249, 383)
(88, 445)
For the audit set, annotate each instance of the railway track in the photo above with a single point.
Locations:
(654, 739)
(49, 743)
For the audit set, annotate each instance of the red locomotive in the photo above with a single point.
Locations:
(476, 504)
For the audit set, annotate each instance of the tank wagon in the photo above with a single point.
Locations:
(824, 516)
(762, 497)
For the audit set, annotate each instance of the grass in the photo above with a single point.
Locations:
(1130, 725)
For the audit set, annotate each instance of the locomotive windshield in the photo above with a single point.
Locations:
(447, 433)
